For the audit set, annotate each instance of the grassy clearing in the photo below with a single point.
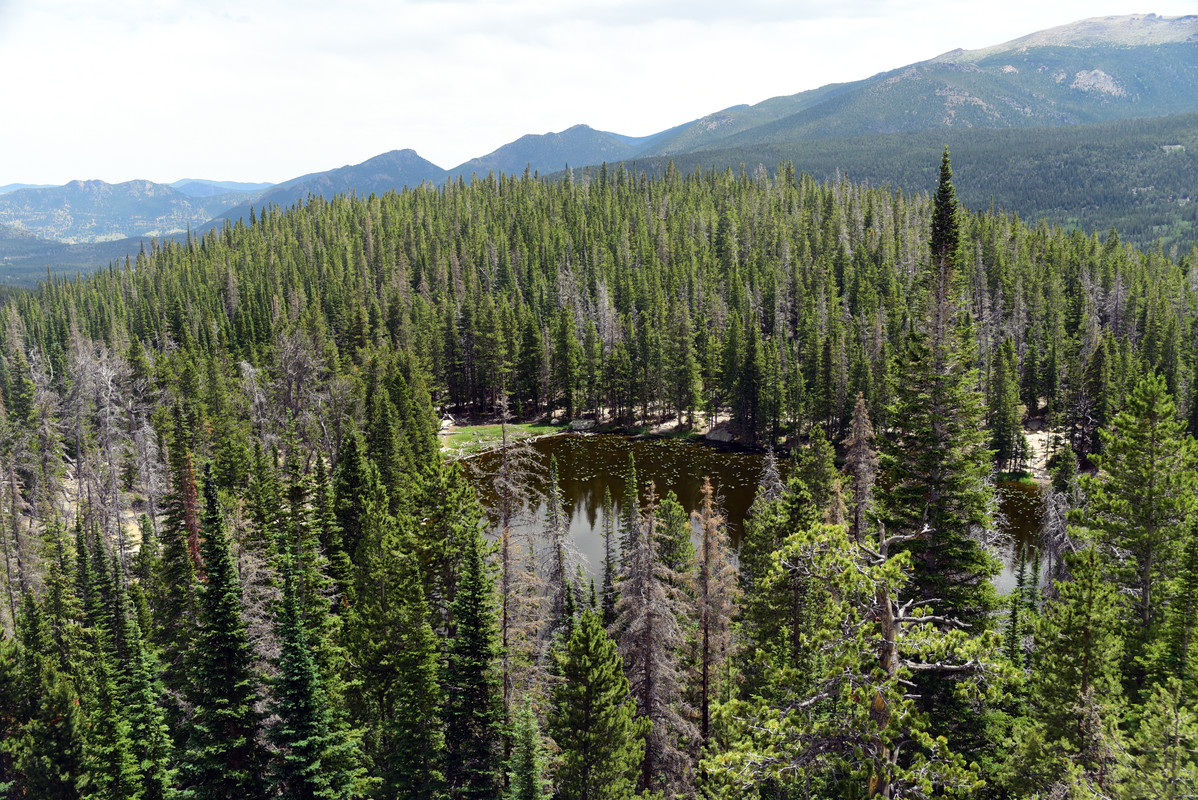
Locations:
(1016, 477)
(467, 440)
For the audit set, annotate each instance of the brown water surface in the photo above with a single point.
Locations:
(589, 463)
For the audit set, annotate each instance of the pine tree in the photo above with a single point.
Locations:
(1075, 697)
(1163, 763)
(675, 550)
(349, 484)
(144, 699)
(12, 704)
(515, 494)
(593, 720)
(110, 752)
(564, 360)
(50, 753)
(175, 604)
(934, 461)
(1097, 400)
(1179, 656)
(815, 465)
(945, 234)
(843, 721)
(415, 759)
(1029, 381)
(558, 556)
(312, 761)
(1006, 436)
(449, 513)
(1140, 504)
(528, 764)
(474, 696)
(773, 615)
(224, 755)
(682, 378)
(610, 565)
(630, 525)
(340, 569)
(389, 638)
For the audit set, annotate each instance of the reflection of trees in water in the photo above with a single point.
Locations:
(589, 464)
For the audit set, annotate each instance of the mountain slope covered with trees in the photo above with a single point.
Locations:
(236, 564)
(1026, 109)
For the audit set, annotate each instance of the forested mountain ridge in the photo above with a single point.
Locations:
(1098, 70)
(378, 175)
(1093, 72)
(579, 144)
(1134, 175)
(313, 604)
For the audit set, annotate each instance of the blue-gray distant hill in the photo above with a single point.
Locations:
(12, 187)
(198, 187)
(551, 152)
(96, 211)
(384, 173)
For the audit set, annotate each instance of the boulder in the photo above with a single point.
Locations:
(582, 424)
(718, 435)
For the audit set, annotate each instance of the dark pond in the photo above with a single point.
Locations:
(587, 464)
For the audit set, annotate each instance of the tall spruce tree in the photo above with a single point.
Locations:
(1071, 737)
(610, 564)
(1006, 435)
(224, 756)
(527, 766)
(388, 637)
(314, 761)
(1139, 507)
(935, 463)
(144, 705)
(593, 720)
(474, 696)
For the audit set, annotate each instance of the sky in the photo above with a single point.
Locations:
(266, 90)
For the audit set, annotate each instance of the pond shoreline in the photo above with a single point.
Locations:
(591, 462)
(659, 431)
(1039, 440)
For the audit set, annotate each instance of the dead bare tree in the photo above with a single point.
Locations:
(716, 593)
(516, 496)
(651, 639)
(861, 461)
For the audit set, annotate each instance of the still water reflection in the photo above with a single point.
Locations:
(589, 463)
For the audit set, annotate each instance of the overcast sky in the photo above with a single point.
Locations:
(265, 90)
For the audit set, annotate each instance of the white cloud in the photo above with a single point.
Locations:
(269, 90)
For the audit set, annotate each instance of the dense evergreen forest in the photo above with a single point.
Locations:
(1136, 175)
(236, 564)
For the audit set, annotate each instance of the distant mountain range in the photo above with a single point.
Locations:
(196, 187)
(95, 211)
(383, 173)
(1091, 73)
